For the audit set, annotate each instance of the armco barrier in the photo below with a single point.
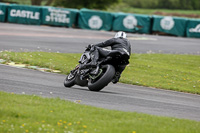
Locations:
(193, 28)
(171, 25)
(59, 16)
(3, 12)
(95, 20)
(24, 14)
(132, 23)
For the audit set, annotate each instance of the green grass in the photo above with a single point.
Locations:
(174, 72)
(58, 61)
(166, 71)
(26, 114)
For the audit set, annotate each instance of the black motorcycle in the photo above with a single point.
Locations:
(95, 78)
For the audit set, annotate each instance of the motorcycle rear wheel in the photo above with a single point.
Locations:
(104, 80)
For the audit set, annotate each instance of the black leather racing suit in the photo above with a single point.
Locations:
(116, 44)
(121, 44)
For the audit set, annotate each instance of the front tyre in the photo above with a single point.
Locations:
(70, 80)
(105, 78)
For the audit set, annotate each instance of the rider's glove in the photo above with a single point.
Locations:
(88, 47)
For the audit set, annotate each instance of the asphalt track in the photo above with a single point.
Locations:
(118, 97)
(65, 40)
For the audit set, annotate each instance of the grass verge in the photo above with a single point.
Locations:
(26, 114)
(166, 71)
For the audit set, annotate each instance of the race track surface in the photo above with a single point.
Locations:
(118, 97)
(65, 40)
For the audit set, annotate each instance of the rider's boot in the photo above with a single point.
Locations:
(116, 77)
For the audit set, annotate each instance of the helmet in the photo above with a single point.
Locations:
(120, 34)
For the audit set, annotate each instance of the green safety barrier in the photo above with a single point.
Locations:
(3, 12)
(193, 28)
(95, 20)
(171, 25)
(99, 20)
(59, 16)
(24, 14)
(132, 23)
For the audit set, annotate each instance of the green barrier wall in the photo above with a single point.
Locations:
(24, 14)
(132, 23)
(171, 25)
(59, 16)
(193, 28)
(99, 20)
(3, 12)
(95, 20)
(74, 13)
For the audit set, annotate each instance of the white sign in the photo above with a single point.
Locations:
(167, 23)
(25, 14)
(95, 22)
(130, 22)
(1, 12)
(57, 15)
(196, 29)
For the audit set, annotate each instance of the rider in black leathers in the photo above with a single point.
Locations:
(118, 43)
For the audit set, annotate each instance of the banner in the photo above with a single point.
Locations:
(132, 23)
(3, 12)
(95, 20)
(171, 25)
(193, 28)
(59, 16)
(24, 14)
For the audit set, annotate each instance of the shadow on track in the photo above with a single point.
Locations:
(85, 89)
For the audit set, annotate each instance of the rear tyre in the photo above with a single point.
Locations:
(104, 79)
(70, 80)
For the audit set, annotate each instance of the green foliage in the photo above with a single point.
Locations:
(142, 3)
(33, 114)
(104, 4)
(91, 4)
(165, 4)
(122, 7)
(30, 2)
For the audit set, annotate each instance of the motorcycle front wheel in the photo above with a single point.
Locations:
(108, 72)
(70, 80)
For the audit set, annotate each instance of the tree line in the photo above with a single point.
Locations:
(165, 4)
(151, 4)
(103, 4)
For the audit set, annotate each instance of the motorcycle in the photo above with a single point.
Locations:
(95, 78)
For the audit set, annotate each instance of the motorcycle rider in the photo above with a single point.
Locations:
(119, 43)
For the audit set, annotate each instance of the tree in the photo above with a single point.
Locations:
(195, 4)
(165, 4)
(39, 2)
(142, 3)
(91, 4)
